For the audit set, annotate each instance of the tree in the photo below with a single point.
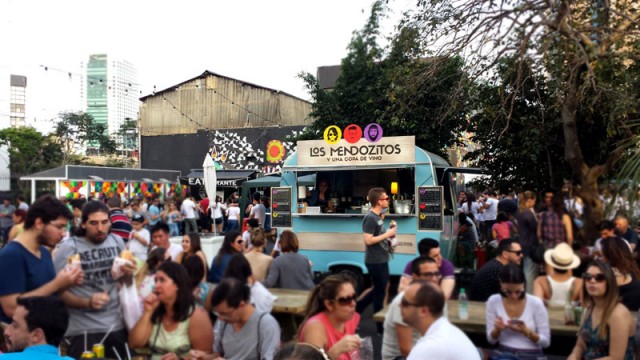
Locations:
(584, 52)
(29, 152)
(377, 85)
(77, 131)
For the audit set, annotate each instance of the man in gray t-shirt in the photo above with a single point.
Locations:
(376, 257)
(94, 306)
(258, 211)
(241, 332)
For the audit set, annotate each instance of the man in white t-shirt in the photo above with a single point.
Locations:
(399, 338)
(160, 238)
(139, 238)
(188, 210)
(490, 211)
(422, 308)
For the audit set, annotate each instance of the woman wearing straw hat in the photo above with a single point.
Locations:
(560, 286)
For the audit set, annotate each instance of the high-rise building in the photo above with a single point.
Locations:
(111, 92)
(17, 100)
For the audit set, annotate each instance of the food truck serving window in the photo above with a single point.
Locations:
(345, 191)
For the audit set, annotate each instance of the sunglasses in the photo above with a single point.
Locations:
(430, 274)
(518, 252)
(346, 300)
(239, 241)
(596, 277)
(406, 303)
(506, 292)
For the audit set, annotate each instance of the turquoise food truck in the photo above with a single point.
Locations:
(422, 186)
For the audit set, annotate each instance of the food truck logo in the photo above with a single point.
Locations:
(352, 133)
(332, 134)
(373, 132)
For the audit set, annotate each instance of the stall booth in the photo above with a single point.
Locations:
(76, 181)
(421, 185)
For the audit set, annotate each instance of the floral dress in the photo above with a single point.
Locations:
(597, 347)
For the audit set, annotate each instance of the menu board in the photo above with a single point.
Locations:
(430, 208)
(281, 207)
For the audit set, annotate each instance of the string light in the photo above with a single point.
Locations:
(92, 80)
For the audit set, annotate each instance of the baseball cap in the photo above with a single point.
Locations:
(137, 218)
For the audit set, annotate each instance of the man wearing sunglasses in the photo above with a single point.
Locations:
(376, 258)
(422, 308)
(399, 338)
(485, 283)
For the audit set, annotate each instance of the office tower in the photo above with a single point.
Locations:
(18, 97)
(111, 91)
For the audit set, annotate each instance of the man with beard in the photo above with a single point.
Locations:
(94, 307)
(37, 327)
(26, 266)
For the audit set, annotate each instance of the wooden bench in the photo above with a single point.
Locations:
(290, 301)
(477, 319)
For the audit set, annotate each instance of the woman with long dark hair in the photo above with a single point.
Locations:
(171, 322)
(517, 320)
(607, 328)
(617, 253)
(191, 245)
(331, 318)
(232, 244)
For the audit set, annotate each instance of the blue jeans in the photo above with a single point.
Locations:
(233, 225)
(174, 229)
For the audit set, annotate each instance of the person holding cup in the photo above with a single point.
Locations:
(332, 319)
(517, 320)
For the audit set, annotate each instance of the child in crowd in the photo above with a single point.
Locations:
(139, 238)
(502, 229)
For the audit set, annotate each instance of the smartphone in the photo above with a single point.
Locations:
(515, 322)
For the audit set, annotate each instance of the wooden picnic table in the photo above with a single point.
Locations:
(477, 319)
(290, 301)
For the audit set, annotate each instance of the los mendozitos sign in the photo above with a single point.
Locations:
(389, 150)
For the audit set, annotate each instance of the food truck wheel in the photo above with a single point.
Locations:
(352, 272)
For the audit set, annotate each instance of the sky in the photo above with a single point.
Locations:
(263, 42)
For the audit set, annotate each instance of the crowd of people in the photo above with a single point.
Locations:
(74, 264)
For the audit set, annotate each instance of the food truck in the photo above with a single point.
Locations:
(421, 184)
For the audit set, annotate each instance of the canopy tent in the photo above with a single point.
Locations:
(271, 181)
(101, 175)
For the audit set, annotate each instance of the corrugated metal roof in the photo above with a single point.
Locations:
(208, 73)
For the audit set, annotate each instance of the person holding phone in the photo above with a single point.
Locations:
(517, 320)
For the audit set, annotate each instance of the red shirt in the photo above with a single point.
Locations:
(204, 205)
(333, 335)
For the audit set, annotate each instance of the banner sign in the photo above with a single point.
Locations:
(387, 150)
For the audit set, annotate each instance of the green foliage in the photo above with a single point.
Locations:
(390, 87)
(29, 152)
(76, 131)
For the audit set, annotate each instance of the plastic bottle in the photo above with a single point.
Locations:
(463, 305)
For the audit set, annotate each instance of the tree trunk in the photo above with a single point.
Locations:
(587, 176)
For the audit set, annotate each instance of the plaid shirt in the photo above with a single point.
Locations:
(552, 229)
